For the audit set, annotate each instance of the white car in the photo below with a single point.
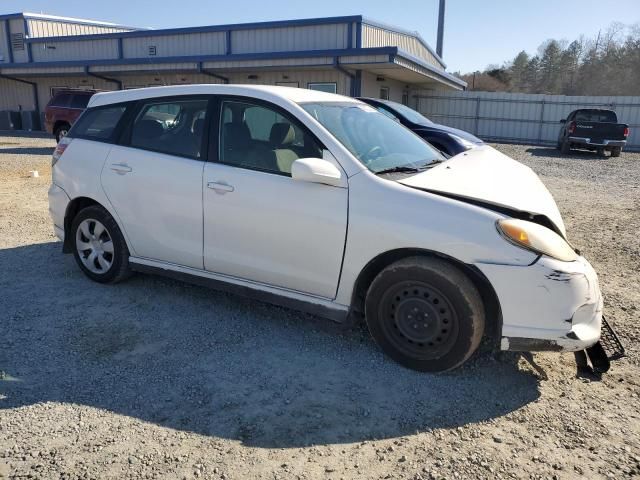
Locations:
(319, 202)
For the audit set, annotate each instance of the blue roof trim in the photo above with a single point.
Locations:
(402, 31)
(210, 58)
(204, 29)
(7, 31)
(420, 62)
(8, 16)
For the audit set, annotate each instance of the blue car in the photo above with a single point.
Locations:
(448, 140)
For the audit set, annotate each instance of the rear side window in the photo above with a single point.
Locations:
(172, 127)
(98, 123)
(61, 100)
(605, 116)
(80, 101)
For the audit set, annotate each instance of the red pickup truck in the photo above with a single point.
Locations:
(63, 110)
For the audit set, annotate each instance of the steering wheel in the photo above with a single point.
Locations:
(374, 153)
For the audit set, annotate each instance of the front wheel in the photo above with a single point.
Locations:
(99, 247)
(425, 314)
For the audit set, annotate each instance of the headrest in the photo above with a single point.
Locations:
(282, 134)
(236, 135)
(148, 129)
(198, 127)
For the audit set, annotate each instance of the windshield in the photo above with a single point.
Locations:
(408, 113)
(377, 141)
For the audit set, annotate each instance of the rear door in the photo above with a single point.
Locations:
(259, 223)
(154, 179)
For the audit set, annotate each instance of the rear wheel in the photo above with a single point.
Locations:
(616, 151)
(600, 152)
(565, 147)
(99, 247)
(425, 313)
(61, 131)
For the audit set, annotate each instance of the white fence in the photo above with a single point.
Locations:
(520, 117)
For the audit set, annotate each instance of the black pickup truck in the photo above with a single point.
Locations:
(593, 129)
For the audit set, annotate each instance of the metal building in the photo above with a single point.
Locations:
(347, 55)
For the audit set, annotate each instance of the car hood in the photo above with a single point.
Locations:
(453, 131)
(486, 177)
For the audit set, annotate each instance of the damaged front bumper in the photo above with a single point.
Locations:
(549, 305)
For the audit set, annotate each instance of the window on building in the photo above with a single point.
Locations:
(174, 127)
(261, 138)
(98, 123)
(324, 87)
(405, 98)
(384, 93)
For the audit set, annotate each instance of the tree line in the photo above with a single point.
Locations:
(607, 64)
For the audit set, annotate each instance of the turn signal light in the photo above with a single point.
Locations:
(626, 131)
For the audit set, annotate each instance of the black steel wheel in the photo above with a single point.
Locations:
(425, 313)
(421, 320)
(61, 131)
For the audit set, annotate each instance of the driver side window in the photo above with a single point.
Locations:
(260, 138)
(174, 128)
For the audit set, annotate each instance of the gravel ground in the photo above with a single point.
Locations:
(157, 379)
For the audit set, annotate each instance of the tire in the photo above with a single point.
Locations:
(600, 152)
(616, 151)
(441, 297)
(110, 264)
(61, 131)
(565, 147)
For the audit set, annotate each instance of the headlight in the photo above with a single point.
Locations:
(465, 143)
(536, 238)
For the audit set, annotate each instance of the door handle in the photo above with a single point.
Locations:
(220, 187)
(121, 168)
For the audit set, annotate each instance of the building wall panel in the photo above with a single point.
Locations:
(50, 28)
(16, 25)
(379, 37)
(81, 50)
(314, 37)
(371, 87)
(15, 96)
(209, 43)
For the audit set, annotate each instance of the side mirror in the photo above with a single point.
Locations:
(316, 170)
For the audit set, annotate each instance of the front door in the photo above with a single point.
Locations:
(154, 182)
(259, 223)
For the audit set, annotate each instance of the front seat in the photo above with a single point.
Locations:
(281, 138)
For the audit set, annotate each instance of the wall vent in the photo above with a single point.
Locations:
(17, 41)
(152, 50)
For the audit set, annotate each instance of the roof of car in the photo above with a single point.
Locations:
(297, 95)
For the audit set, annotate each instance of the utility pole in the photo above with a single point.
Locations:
(440, 28)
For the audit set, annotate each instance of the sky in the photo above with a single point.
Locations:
(477, 33)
